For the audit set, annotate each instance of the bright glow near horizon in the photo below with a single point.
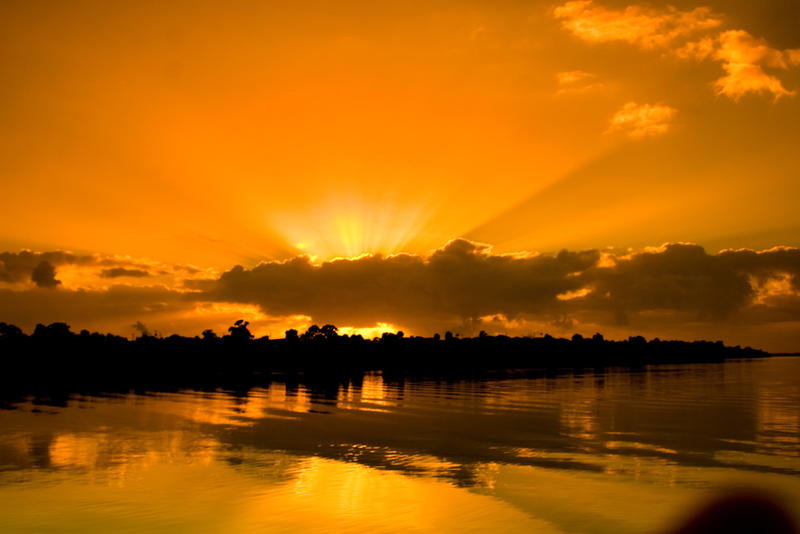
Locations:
(191, 138)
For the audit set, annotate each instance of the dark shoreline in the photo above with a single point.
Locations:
(55, 359)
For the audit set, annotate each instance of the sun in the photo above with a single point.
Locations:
(349, 226)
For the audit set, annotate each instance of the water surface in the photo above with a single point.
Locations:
(594, 451)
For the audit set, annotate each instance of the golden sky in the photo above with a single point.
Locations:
(185, 138)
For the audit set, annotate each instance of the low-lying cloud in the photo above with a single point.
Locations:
(44, 275)
(465, 280)
(44, 269)
(119, 272)
(461, 280)
(462, 286)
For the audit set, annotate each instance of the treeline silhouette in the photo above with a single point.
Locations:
(55, 357)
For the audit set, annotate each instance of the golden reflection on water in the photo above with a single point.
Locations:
(613, 451)
(778, 422)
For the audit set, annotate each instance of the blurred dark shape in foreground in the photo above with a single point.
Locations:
(55, 357)
(741, 512)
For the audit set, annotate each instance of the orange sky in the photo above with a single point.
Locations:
(211, 134)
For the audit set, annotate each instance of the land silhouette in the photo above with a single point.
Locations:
(54, 357)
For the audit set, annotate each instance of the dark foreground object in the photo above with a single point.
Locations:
(55, 358)
(740, 513)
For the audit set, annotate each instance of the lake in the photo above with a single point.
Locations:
(599, 451)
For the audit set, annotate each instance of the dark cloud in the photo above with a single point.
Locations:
(16, 267)
(117, 272)
(679, 290)
(112, 309)
(465, 281)
(680, 277)
(44, 275)
(461, 280)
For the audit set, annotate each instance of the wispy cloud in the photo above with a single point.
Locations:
(644, 27)
(573, 77)
(742, 56)
(576, 81)
(641, 120)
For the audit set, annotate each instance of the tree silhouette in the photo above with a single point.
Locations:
(210, 335)
(239, 331)
(54, 356)
(291, 335)
(52, 332)
(9, 331)
(329, 331)
(313, 332)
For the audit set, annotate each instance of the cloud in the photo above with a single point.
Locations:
(742, 56)
(112, 309)
(461, 280)
(699, 50)
(572, 78)
(463, 286)
(576, 81)
(16, 269)
(644, 27)
(117, 272)
(44, 275)
(677, 278)
(465, 281)
(641, 120)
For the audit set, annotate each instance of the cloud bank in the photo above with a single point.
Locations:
(466, 280)
(462, 286)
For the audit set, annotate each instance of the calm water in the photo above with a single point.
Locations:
(615, 451)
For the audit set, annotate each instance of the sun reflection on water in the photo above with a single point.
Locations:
(608, 451)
